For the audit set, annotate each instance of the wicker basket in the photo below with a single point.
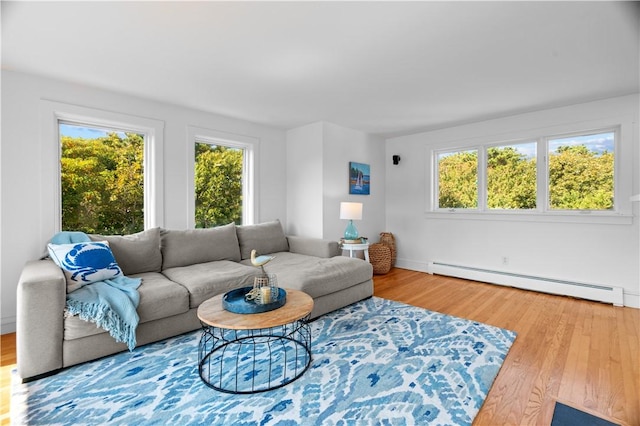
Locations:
(380, 258)
(389, 240)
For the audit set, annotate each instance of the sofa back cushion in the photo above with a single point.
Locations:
(191, 246)
(265, 238)
(135, 253)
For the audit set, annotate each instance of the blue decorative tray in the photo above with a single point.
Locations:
(234, 301)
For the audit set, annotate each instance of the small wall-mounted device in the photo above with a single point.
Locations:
(396, 159)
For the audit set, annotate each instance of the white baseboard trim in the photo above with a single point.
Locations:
(632, 299)
(591, 291)
(412, 265)
(617, 296)
(8, 325)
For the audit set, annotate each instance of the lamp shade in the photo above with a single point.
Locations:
(351, 211)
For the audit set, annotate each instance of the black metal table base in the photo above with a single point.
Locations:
(251, 361)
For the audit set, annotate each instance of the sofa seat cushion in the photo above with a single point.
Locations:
(317, 276)
(205, 280)
(159, 298)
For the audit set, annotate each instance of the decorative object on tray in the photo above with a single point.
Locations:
(264, 296)
(265, 286)
(235, 301)
(265, 289)
(260, 260)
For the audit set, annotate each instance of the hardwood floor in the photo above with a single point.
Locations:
(7, 363)
(584, 354)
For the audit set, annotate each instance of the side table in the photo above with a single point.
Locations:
(250, 353)
(362, 246)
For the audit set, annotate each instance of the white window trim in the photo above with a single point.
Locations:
(485, 165)
(249, 144)
(435, 190)
(622, 213)
(52, 113)
(616, 170)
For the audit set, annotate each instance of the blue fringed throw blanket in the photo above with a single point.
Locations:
(110, 304)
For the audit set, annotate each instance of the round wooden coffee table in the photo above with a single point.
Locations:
(249, 353)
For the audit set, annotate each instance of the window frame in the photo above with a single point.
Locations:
(53, 113)
(485, 167)
(622, 209)
(616, 160)
(146, 180)
(436, 177)
(249, 145)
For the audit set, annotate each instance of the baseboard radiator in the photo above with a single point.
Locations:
(597, 292)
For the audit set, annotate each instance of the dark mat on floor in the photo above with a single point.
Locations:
(563, 415)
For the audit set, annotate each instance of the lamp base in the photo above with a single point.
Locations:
(351, 233)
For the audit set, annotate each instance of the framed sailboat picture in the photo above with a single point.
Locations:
(359, 178)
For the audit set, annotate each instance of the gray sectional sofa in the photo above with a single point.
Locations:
(179, 269)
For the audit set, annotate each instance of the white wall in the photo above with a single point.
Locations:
(303, 177)
(567, 248)
(343, 145)
(322, 152)
(305, 180)
(23, 213)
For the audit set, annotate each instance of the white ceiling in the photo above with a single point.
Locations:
(386, 68)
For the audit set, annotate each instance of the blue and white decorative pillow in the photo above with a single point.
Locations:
(85, 263)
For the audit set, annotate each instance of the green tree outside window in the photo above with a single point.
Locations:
(458, 180)
(511, 179)
(580, 175)
(580, 178)
(218, 185)
(102, 182)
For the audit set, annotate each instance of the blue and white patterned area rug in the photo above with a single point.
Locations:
(374, 362)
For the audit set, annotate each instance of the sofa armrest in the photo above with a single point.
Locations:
(40, 307)
(313, 246)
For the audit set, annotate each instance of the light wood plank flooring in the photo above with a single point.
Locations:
(584, 354)
(7, 363)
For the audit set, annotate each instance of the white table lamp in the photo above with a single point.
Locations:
(351, 212)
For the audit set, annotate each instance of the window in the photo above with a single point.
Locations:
(511, 176)
(458, 179)
(222, 178)
(101, 179)
(581, 171)
(218, 185)
(577, 175)
(53, 114)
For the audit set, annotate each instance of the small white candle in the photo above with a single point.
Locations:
(265, 292)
